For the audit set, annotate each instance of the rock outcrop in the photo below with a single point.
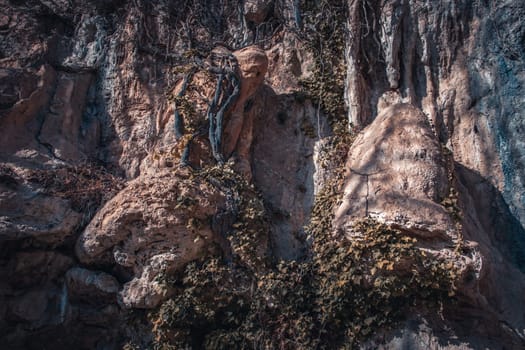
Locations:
(152, 149)
(156, 225)
(397, 173)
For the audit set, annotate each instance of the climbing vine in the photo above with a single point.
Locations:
(348, 290)
(187, 124)
(451, 200)
(323, 31)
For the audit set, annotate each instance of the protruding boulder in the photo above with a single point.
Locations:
(156, 225)
(396, 173)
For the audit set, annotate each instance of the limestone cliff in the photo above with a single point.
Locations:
(277, 174)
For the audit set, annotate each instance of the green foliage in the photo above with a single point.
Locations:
(192, 53)
(208, 295)
(186, 108)
(307, 128)
(451, 201)
(324, 31)
(369, 282)
(249, 233)
(451, 204)
(348, 289)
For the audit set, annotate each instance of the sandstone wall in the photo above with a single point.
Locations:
(93, 204)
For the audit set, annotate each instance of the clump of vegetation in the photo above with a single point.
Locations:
(371, 281)
(186, 108)
(451, 201)
(87, 186)
(307, 128)
(324, 29)
(337, 298)
(249, 232)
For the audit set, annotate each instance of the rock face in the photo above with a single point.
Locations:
(141, 139)
(397, 174)
(154, 226)
(26, 214)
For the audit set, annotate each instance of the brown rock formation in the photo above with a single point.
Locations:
(238, 133)
(205, 88)
(397, 174)
(155, 226)
(89, 96)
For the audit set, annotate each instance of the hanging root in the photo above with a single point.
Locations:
(223, 100)
(221, 103)
(179, 123)
(215, 143)
(219, 117)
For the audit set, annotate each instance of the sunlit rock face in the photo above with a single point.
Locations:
(96, 208)
(397, 173)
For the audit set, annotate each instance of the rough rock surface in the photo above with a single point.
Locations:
(154, 226)
(401, 176)
(397, 174)
(434, 91)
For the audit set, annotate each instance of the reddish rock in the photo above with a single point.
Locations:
(396, 173)
(61, 128)
(156, 225)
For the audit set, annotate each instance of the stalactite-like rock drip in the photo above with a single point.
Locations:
(356, 89)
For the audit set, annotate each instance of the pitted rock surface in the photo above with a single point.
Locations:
(396, 173)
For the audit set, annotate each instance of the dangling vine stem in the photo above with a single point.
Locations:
(223, 100)
(178, 122)
(215, 143)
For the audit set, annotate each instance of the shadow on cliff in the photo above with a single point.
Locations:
(285, 134)
(504, 230)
